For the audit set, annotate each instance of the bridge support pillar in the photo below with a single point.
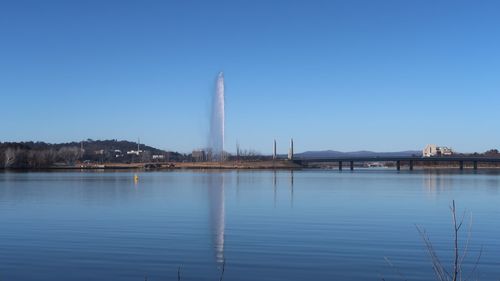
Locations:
(352, 165)
(475, 165)
(398, 165)
(461, 165)
(340, 165)
(411, 165)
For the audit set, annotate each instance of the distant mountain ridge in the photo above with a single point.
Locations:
(362, 153)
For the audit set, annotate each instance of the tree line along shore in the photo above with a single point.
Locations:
(114, 154)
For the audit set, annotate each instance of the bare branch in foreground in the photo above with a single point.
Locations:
(458, 258)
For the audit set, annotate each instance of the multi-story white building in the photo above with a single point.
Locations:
(433, 150)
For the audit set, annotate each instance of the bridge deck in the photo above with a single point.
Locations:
(401, 159)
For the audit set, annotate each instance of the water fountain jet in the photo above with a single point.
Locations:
(216, 138)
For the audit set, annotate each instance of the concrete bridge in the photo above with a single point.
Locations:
(399, 160)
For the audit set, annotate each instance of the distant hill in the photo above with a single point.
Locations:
(362, 153)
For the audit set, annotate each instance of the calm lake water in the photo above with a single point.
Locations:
(301, 225)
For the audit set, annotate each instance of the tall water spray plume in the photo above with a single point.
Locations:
(216, 140)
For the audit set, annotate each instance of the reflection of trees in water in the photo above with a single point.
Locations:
(217, 213)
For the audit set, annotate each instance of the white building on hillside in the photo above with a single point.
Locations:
(136, 152)
(433, 150)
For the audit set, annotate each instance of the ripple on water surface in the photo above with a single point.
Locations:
(301, 225)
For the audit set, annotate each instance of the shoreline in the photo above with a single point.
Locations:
(238, 165)
(260, 165)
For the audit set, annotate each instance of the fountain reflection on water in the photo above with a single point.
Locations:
(216, 196)
(217, 213)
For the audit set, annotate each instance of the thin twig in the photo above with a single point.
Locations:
(438, 267)
(223, 269)
(455, 232)
(395, 268)
(475, 264)
(466, 247)
(458, 259)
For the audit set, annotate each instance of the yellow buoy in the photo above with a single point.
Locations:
(136, 177)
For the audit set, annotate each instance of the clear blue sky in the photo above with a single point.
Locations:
(343, 75)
